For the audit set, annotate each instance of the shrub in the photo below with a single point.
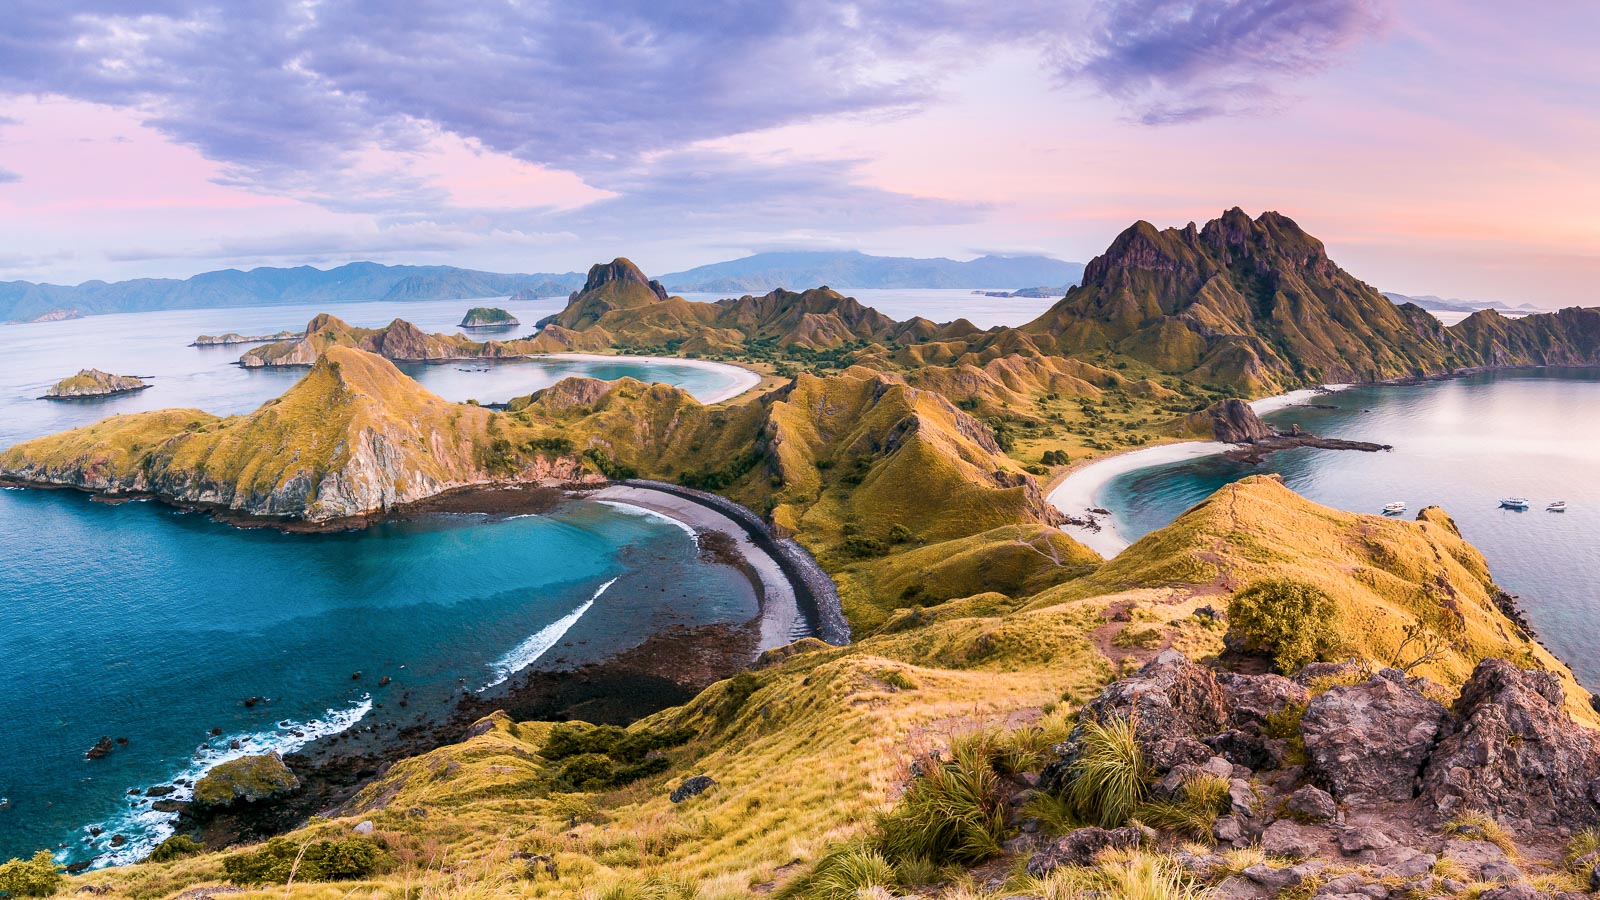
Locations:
(1055, 458)
(845, 873)
(1109, 776)
(605, 756)
(554, 445)
(953, 811)
(1200, 800)
(279, 859)
(863, 547)
(35, 877)
(1479, 826)
(897, 679)
(899, 534)
(1140, 876)
(175, 847)
(1294, 622)
(1582, 844)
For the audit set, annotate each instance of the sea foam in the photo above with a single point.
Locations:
(528, 652)
(145, 828)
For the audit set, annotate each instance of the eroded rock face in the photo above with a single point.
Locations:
(1368, 741)
(1510, 749)
(1080, 847)
(1172, 703)
(1234, 422)
(621, 269)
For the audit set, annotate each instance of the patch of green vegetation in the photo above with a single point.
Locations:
(897, 680)
(1109, 777)
(37, 876)
(1200, 800)
(608, 465)
(594, 758)
(248, 778)
(953, 811)
(1294, 622)
(281, 859)
(175, 847)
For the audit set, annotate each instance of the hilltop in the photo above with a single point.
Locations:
(400, 341)
(798, 270)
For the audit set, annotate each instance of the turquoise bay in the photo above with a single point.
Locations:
(1460, 444)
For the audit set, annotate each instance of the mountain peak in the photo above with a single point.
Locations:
(621, 269)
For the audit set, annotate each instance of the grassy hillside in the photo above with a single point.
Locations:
(806, 753)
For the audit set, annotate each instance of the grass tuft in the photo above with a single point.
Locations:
(1473, 825)
(1109, 777)
(953, 811)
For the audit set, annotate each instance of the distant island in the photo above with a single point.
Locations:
(484, 317)
(1430, 301)
(90, 383)
(233, 337)
(1037, 293)
(800, 270)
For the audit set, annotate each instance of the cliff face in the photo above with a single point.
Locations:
(355, 436)
(93, 383)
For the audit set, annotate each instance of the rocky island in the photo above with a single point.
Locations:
(233, 337)
(92, 383)
(488, 317)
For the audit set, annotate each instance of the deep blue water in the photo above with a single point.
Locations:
(143, 622)
(1462, 445)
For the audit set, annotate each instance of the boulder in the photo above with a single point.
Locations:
(1312, 804)
(692, 786)
(1368, 741)
(101, 749)
(363, 827)
(1512, 749)
(1080, 847)
(248, 779)
(1172, 702)
(1292, 840)
(1473, 856)
(1354, 840)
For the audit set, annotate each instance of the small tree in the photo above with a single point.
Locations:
(36, 877)
(1292, 621)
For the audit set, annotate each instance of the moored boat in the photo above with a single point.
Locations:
(1395, 508)
(1514, 503)
(1557, 506)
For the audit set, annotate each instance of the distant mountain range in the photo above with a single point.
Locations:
(1429, 301)
(26, 301)
(801, 270)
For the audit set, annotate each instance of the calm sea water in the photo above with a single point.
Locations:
(1461, 445)
(141, 622)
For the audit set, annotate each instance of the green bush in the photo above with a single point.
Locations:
(1109, 777)
(275, 861)
(618, 743)
(953, 811)
(175, 847)
(863, 547)
(1293, 622)
(36, 877)
(899, 534)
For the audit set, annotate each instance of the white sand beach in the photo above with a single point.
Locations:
(1079, 491)
(743, 379)
(780, 608)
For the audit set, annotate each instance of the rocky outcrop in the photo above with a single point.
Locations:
(89, 383)
(1082, 846)
(621, 270)
(400, 341)
(1231, 421)
(1368, 741)
(1510, 749)
(249, 779)
(1172, 703)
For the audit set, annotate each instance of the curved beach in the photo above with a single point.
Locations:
(1075, 495)
(743, 379)
(797, 599)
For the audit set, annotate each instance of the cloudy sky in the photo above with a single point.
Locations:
(1437, 146)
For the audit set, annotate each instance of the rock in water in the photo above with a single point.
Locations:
(101, 749)
(93, 383)
(488, 317)
(245, 780)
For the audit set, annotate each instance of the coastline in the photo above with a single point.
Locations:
(744, 381)
(1075, 494)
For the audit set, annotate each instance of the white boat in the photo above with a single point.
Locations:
(1390, 509)
(1557, 506)
(1515, 503)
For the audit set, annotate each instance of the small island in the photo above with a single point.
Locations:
(233, 337)
(90, 383)
(488, 317)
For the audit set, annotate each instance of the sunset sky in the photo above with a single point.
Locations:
(1438, 146)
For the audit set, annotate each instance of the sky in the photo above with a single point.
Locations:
(1446, 147)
